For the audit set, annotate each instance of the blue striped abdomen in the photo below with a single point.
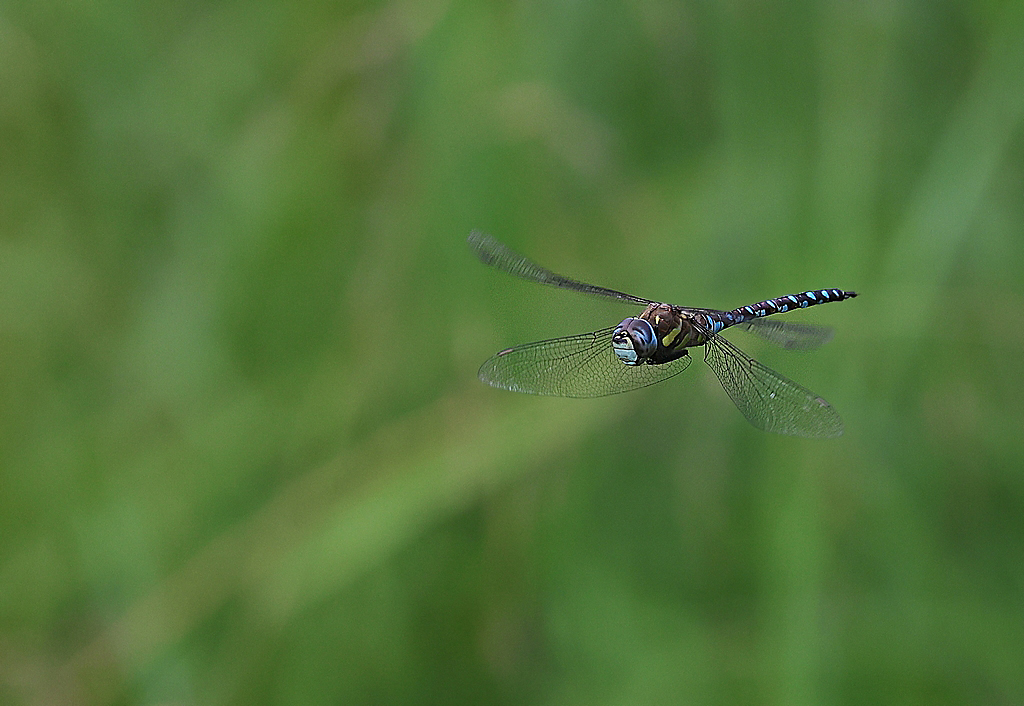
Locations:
(779, 305)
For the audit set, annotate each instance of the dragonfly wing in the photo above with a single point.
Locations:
(768, 400)
(583, 365)
(788, 334)
(500, 256)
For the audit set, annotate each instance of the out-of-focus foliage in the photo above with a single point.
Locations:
(244, 457)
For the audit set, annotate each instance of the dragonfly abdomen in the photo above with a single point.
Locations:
(778, 305)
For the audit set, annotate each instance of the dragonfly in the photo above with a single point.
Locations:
(654, 346)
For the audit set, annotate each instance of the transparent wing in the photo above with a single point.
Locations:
(500, 256)
(789, 335)
(768, 400)
(574, 366)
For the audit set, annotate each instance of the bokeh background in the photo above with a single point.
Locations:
(245, 458)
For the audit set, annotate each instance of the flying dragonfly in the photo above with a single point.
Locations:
(654, 346)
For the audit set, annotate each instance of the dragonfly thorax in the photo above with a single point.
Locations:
(634, 341)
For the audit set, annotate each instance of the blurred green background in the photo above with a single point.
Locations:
(245, 458)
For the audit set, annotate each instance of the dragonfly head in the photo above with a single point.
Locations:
(634, 341)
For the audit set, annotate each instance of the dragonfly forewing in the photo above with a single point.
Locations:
(583, 365)
(498, 255)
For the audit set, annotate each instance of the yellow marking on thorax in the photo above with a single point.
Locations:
(667, 339)
(678, 330)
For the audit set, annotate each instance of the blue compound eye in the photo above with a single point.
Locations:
(634, 341)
